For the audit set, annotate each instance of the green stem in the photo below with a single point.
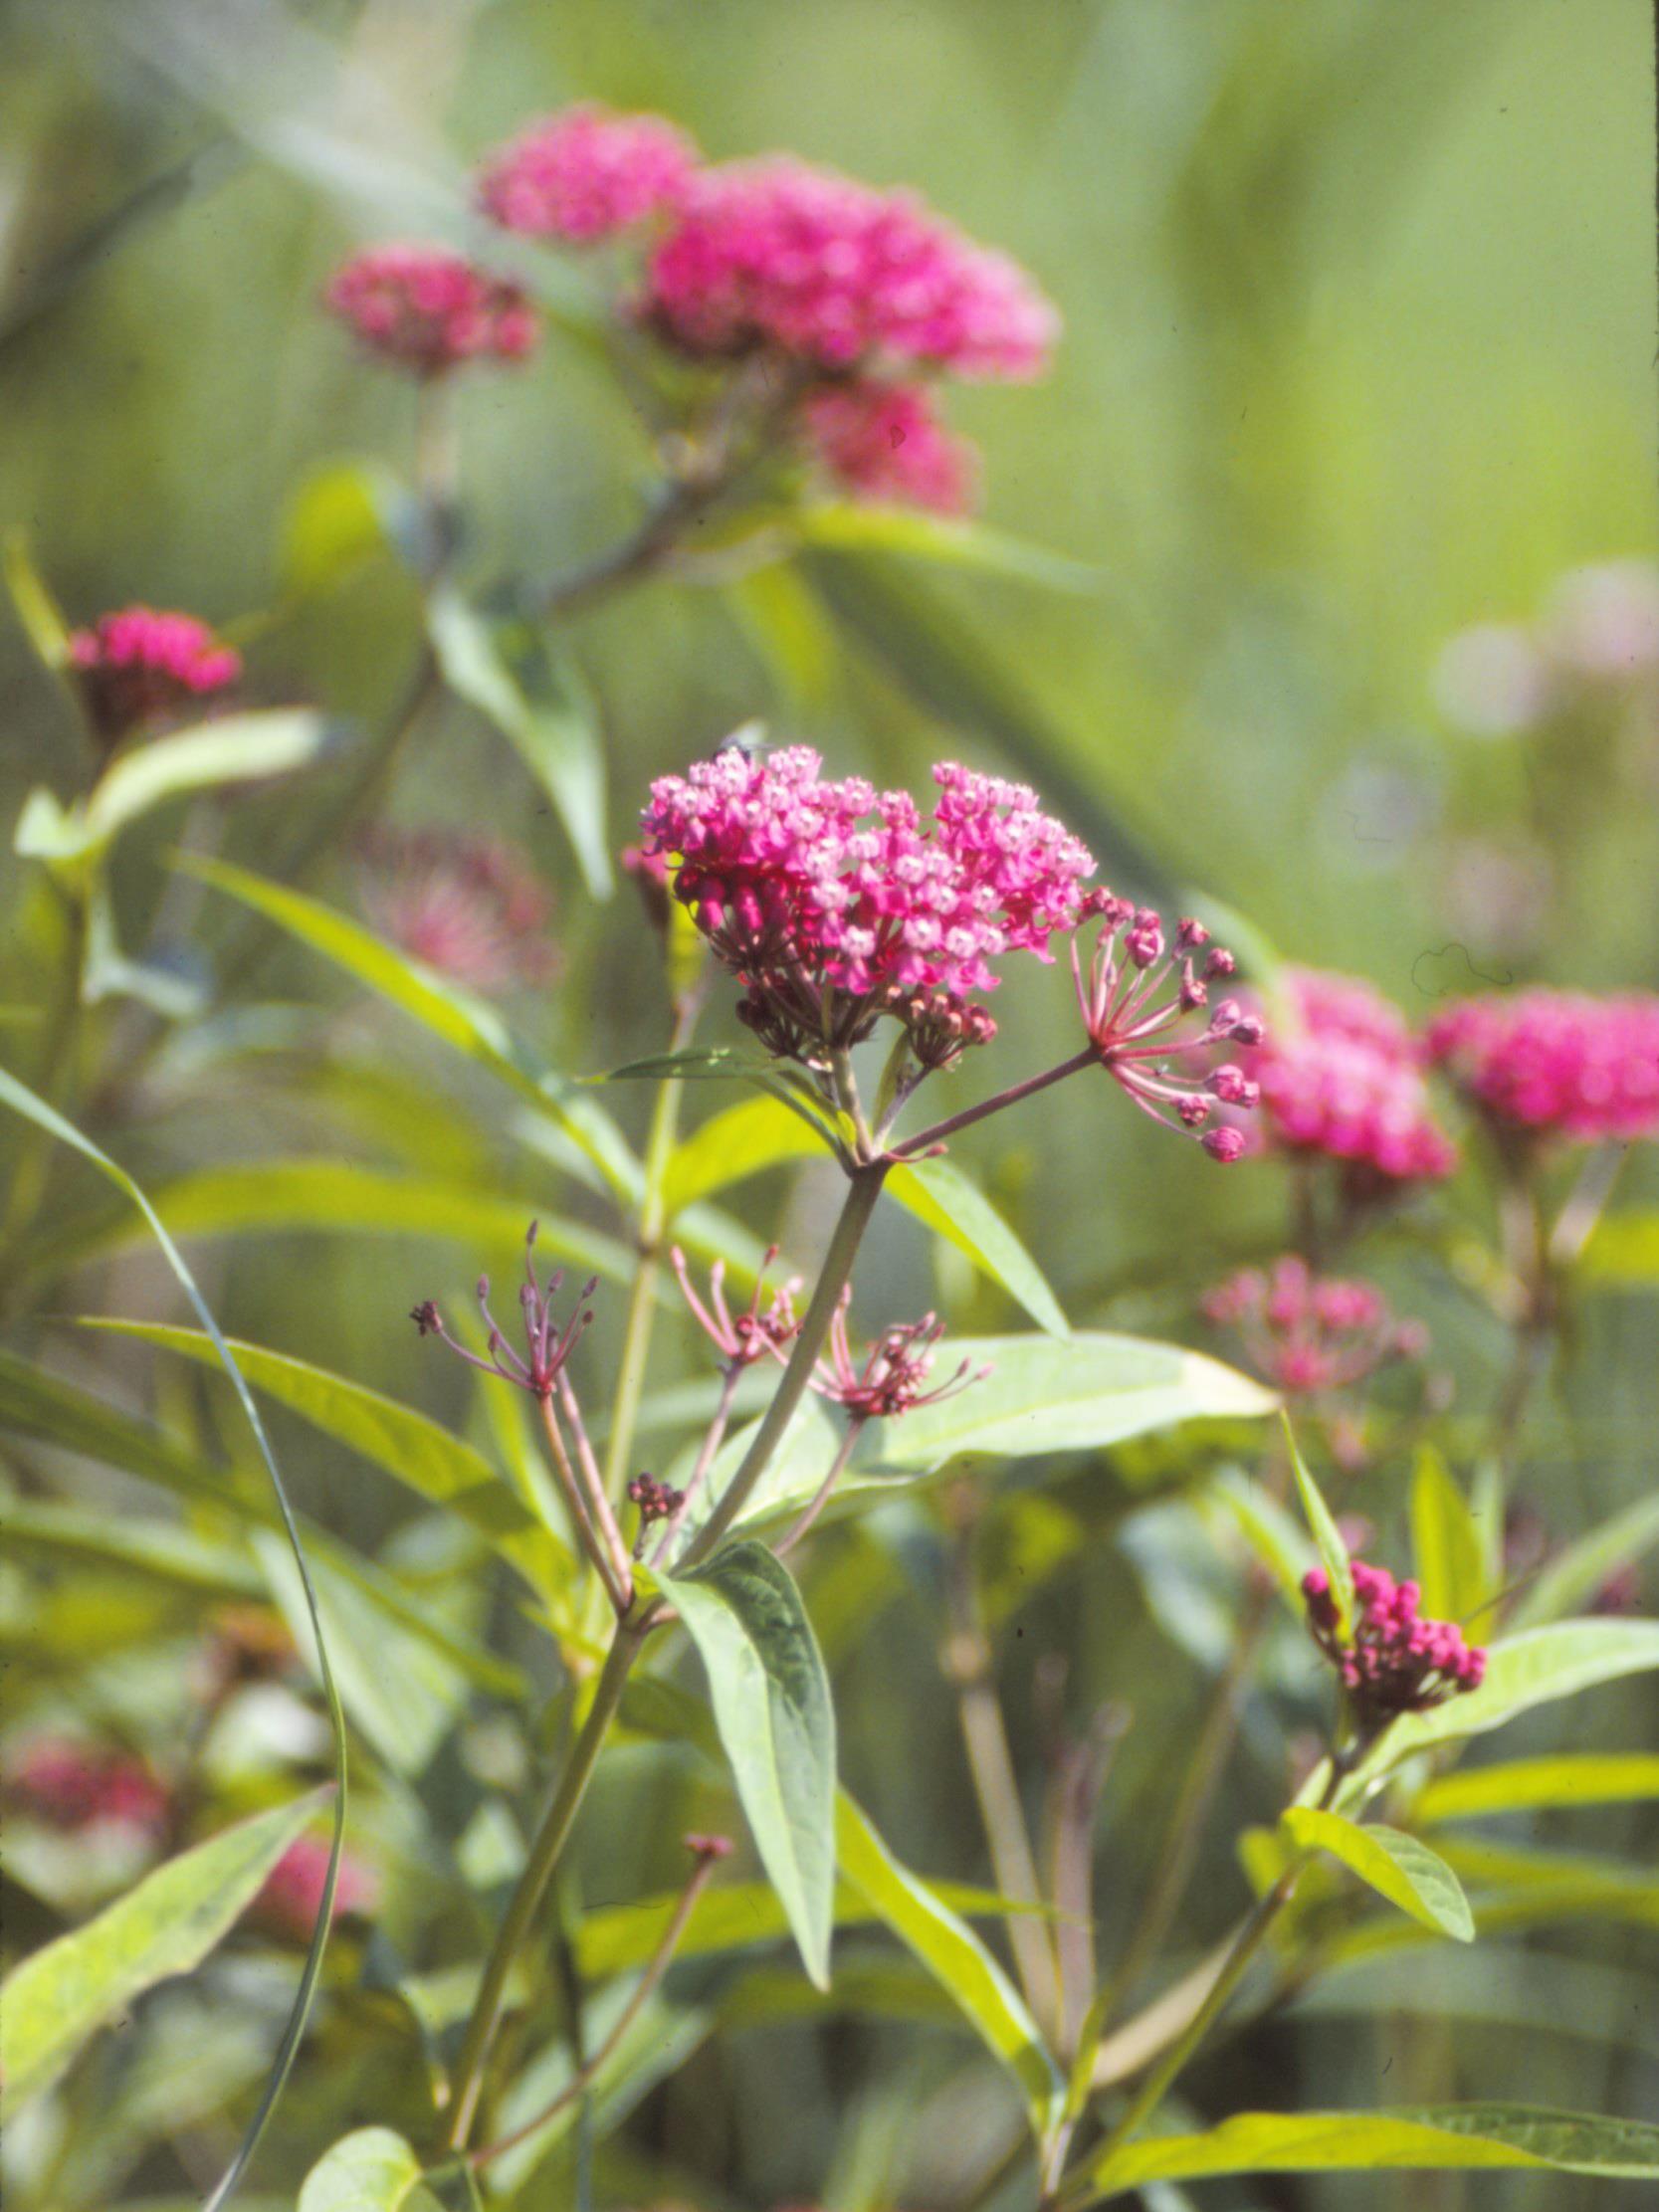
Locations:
(864, 1188)
(925, 1140)
(54, 1080)
(551, 1839)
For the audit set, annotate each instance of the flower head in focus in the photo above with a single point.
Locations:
(75, 1786)
(292, 1896)
(885, 441)
(1141, 1004)
(893, 1379)
(1310, 1334)
(760, 1331)
(137, 667)
(1561, 1065)
(1341, 1079)
(830, 274)
(471, 907)
(429, 312)
(585, 174)
(834, 903)
(1391, 1661)
(547, 1342)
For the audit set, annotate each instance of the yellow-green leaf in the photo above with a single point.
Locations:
(1397, 1865)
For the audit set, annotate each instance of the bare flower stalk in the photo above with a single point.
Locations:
(610, 1537)
(712, 1441)
(820, 1497)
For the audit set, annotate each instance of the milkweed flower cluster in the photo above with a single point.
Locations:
(428, 310)
(1141, 1001)
(1342, 1079)
(548, 1342)
(1307, 1334)
(834, 903)
(75, 1786)
(471, 907)
(292, 1897)
(1597, 636)
(893, 1379)
(138, 666)
(760, 1331)
(886, 442)
(1391, 1661)
(1556, 1064)
(584, 175)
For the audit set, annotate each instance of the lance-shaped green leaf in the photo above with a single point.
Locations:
(235, 748)
(949, 1203)
(1395, 1865)
(1426, 2138)
(744, 1140)
(849, 526)
(1326, 1536)
(1447, 1547)
(463, 1021)
(1532, 1785)
(61, 1995)
(41, 616)
(341, 518)
(373, 2170)
(420, 1453)
(508, 672)
(157, 1549)
(954, 1955)
(1575, 1574)
(772, 1701)
(1046, 1394)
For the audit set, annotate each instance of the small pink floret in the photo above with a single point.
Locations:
(585, 174)
(1556, 1064)
(887, 442)
(428, 311)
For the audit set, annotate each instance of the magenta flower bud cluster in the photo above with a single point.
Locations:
(428, 310)
(760, 1331)
(655, 1500)
(1307, 1334)
(138, 666)
(1342, 1079)
(1556, 1064)
(586, 175)
(893, 1378)
(470, 907)
(1391, 1661)
(1142, 1004)
(832, 903)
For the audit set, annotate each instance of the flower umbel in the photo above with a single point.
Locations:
(887, 442)
(292, 1896)
(1391, 1661)
(428, 311)
(585, 174)
(1308, 1333)
(1557, 1065)
(138, 666)
(1141, 988)
(547, 1345)
(750, 1334)
(470, 907)
(891, 1379)
(73, 1786)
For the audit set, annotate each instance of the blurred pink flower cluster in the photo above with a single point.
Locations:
(292, 1896)
(138, 666)
(886, 442)
(428, 310)
(1308, 1333)
(587, 174)
(469, 906)
(75, 1786)
(1556, 1064)
(1595, 637)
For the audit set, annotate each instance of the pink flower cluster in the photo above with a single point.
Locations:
(138, 666)
(1556, 1064)
(292, 1896)
(470, 907)
(1140, 989)
(548, 1342)
(1343, 1078)
(834, 903)
(836, 275)
(893, 1379)
(1392, 1661)
(886, 442)
(753, 1331)
(75, 1786)
(585, 174)
(1308, 1333)
(428, 311)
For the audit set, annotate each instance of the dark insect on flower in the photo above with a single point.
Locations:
(749, 1335)
(547, 1346)
(891, 1379)
(1391, 1661)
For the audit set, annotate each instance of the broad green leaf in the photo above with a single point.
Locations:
(1046, 1394)
(1624, 1248)
(509, 671)
(953, 1954)
(421, 1454)
(744, 1140)
(1428, 2138)
(791, 631)
(1446, 1542)
(1394, 1864)
(1326, 1536)
(340, 518)
(1574, 1576)
(42, 618)
(1532, 1668)
(949, 1203)
(373, 2170)
(846, 525)
(772, 1701)
(1515, 1987)
(234, 748)
(467, 1023)
(63, 1993)
(1528, 1785)
(327, 1195)
(160, 1549)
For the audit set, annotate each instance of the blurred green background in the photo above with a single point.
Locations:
(1359, 314)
